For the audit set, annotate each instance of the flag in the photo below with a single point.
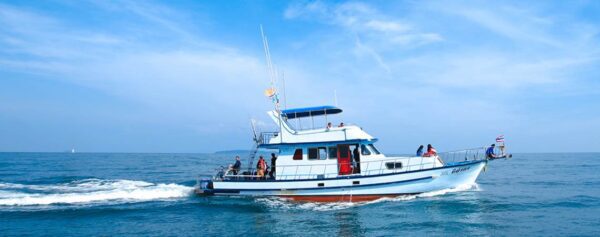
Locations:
(500, 138)
(270, 92)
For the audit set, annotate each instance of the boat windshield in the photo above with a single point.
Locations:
(372, 147)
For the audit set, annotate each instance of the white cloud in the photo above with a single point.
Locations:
(361, 19)
(434, 68)
(416, 39)
(374, 32)
(386, 26)
(199, 76)
(510, 24)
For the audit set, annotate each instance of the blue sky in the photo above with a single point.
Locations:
(187, 76)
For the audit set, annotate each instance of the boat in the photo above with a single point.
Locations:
(338, 163)
(342, 163)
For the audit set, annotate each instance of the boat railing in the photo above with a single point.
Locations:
(265, 137)
(390, 165)
(471, 154)
(324, 128)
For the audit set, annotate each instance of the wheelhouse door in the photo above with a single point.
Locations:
(344, 160)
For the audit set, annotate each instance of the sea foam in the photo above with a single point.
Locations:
(282, 203)
(89, 191)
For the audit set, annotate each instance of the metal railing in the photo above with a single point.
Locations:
(265, 137)
(385, 166)
(471, 154)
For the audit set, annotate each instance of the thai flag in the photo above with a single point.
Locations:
(500, 138)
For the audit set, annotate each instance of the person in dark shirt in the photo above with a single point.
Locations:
(236, 167)
(273, 160)
(420, 151)
(356, 155)
(489, 153)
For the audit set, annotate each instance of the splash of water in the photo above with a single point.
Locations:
(89, 191)
(282, 203)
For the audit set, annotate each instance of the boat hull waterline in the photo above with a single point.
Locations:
(353, 188)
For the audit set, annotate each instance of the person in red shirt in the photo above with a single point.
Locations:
(430, 151)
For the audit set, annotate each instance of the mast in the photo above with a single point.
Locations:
(270, 68)
(283, 89)
(273, 78)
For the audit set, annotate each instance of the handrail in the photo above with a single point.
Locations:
(313, 171)
(265, 137)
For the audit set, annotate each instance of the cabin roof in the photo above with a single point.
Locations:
(316, 143)
(311, 111)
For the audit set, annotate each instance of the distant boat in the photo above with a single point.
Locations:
(72, 150)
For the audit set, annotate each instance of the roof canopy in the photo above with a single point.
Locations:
(311, 111)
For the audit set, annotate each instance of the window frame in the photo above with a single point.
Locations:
(326, 153)
(330, 149)
(295, 156)
(374, 149)
(316, 149)
(364, 148)
(394, 165)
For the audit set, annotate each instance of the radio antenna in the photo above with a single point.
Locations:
(335, 100)
(283, 90)
(270, 68)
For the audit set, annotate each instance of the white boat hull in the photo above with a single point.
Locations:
(354, 187)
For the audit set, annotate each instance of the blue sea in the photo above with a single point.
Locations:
(120, 194)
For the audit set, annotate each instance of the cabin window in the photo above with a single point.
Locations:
(332, 152)
(364, 151)
(393, 165)
(374, 149)
(322, 153)
(313, 153)
(298, 154)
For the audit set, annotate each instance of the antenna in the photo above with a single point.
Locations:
(335, 100)
(283, 89)
(254, 131)
(272, 75)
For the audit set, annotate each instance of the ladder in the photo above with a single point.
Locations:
(252, 155)
(254, 149)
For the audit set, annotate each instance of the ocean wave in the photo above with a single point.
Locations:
(89, 191)
(283, 203)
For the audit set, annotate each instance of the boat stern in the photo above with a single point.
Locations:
(204, 187)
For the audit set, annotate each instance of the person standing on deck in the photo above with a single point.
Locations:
(273, 160)
(356, 155)
(236, 167)
(261, 166)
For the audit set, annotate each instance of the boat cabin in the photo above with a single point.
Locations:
(327, 151)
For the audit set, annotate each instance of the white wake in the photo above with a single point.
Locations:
(282, 203)
(89, 191)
